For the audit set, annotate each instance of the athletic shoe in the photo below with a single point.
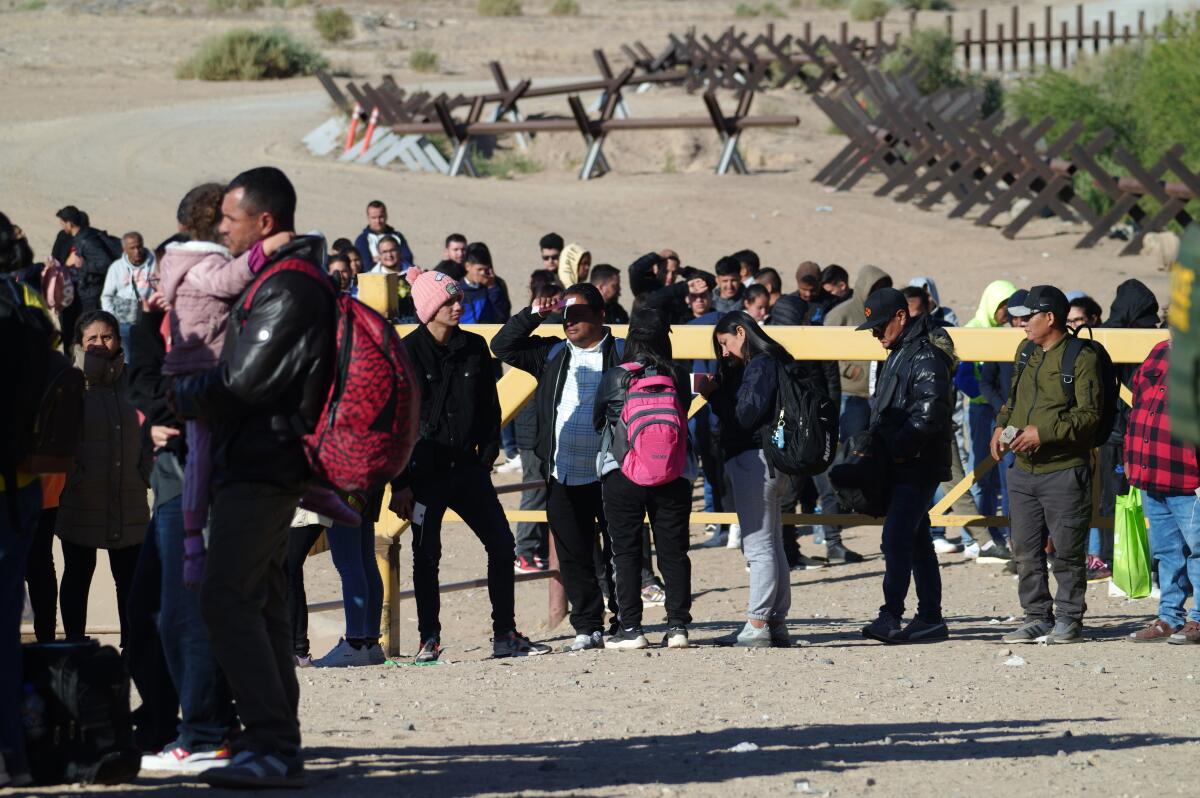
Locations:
(653, 595)
(1028, 632)
(627, 638)
(676, 637)
(375, 653)
(541, 564)
(344, 655)
(1065, 631)
(971, 550)
(1158, 631)
(735, 537)
(524, 565)
(753, 637)
(943, 546)
(807, 564)
(885, 629)
(510, 466)
(305, 661)
(995, 552)
(1188, 634)
(717, 538)
(586, 642)
(176, 759)
(1097, 569)
(250, 770)
(919, 631)
(431, 649)
(838, 554)
(515, 644)
(780, 637)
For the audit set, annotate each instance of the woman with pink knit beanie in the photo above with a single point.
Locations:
(451, 464)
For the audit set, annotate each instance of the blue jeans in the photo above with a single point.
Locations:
(14, 549)
(1175, 542)
(353, 552)
(981, 419)
(909, 554)
(856, 415)
(205, 701)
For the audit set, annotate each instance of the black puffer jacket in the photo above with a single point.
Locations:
(460, 410)
(516, 345)
(791, 310)
(273, 378)
(914, 399)
(98, 250)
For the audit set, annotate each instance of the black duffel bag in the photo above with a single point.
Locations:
(860, 476)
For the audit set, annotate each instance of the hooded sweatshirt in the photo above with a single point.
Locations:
(568, 264)
(940, 312)
(1134, 307)
(967, 378)
(126, 285)
(851, 313)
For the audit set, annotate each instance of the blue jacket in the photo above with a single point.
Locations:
(743, 405)
(363, 245)
(483, 305)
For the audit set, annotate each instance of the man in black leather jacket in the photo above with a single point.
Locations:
(911, 415)
(267, 391)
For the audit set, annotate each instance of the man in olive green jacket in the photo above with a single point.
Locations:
(1050, 485)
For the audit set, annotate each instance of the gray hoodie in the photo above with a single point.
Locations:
(851, 313)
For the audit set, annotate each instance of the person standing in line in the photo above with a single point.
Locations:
(1167, 473)
(367, 243)
(914, 398)
(1050, 483)
(455, 249)
(568, 374)
(268, 389)
(743, 397)
(451, 463)
(627, 503)
(131, 279)
(93, 251)
(551, 247)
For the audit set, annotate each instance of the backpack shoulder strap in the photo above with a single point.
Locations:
(1070, 355)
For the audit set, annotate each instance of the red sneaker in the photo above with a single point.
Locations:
(524, 565)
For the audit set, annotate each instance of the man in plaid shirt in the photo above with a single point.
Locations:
(1167, 473)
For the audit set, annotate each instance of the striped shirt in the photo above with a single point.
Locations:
(576, 441)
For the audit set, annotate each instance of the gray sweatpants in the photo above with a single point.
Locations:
(1057, 505)
(756, 497)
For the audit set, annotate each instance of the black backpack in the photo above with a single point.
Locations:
(1109, 384)
(75, 709)
(860, 477)
(800, 438)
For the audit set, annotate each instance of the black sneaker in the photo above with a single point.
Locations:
(431, 649)
(919, 631)
(1028, 632)
(627, 638)
(837, 554)
(250, 770)
(1065, 631)
(676, 637)
(885, 629)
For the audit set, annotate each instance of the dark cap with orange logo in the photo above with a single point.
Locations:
(881, 306)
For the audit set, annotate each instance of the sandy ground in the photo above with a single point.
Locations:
(92, 116)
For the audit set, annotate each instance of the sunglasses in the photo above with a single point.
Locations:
(550, 257)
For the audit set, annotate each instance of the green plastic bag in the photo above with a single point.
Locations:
(1131, 546)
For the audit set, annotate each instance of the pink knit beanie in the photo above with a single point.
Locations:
(430, 290)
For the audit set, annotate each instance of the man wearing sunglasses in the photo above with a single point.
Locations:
(551, 246)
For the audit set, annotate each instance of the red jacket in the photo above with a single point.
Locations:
(1154, 460)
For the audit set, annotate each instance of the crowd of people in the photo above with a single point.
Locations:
(204, 368)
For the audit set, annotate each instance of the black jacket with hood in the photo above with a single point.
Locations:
(1135, 308)
(669, 300)
(914, 399)
(460, 409)
(97, 249)
(548, 360)
(791, 310)
(273, 378)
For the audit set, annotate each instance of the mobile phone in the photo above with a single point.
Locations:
(1009, 434)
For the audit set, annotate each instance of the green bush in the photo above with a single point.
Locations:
(504, 165)
(933, 50)
(244, 54)
(867, 10)
(333, 24)
(221, 6)
(565, 8)
(745, 11)
(32, 5)
(772, 9)
(423, 60)
(499, 8)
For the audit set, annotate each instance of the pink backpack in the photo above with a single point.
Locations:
(58, 287)
(655, 427)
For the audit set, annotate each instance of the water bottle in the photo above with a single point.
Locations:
(33, 713)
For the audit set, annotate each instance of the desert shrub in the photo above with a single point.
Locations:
(504, 165)
(498, 8)
(423, 60)
(817, 3)
(244, 54)
(772, 9)
(234, 5)
(333, 25)
(866, 10)
(565, 8)
(933, 50)
(745, 11)
(32, 5)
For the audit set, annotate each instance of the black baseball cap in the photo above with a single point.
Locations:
(1042, 299)
(881, 306)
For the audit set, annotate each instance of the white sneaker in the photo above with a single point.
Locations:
(174, 759)
(585, 642)
(344, 655)
(735, 537)
(510, 466)
(971, 552)
(943, 546)
(718, 538)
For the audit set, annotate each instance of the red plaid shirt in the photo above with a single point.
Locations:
(1154, 460)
